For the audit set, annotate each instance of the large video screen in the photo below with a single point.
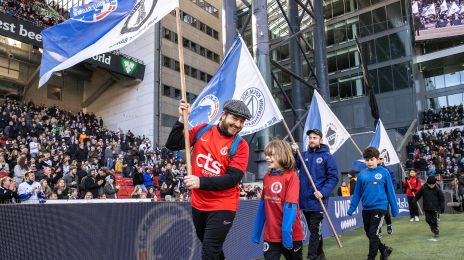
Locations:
(437, 19)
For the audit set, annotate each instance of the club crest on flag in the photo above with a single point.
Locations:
(207, 109)
(95, 12)
(254, 99)
(331, 134)
(139, 16)
(386, 156)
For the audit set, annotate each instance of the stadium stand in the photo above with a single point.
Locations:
(35, 12)
(56, 144)
(444, 117)
(438, 152)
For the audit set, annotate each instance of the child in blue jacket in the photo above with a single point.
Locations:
(375, 190)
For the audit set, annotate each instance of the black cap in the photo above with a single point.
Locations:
(314, 131)
(431, 180)
(238, 108)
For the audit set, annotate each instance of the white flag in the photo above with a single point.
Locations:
(415, 8)
(98, 27)
(322, 118)
(429, 10)
(443, 6)
(237, 78)
(382, 142)
(453, 9)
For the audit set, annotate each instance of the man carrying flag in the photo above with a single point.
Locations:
(323, 169)
(217, 169)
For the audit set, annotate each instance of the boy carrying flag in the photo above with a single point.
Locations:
(375, 190)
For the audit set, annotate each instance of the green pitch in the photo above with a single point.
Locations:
(410, 241)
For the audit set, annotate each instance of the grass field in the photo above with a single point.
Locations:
(410, 241)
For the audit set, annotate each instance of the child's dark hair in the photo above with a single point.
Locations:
(371, 152)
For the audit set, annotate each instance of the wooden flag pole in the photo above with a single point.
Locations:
(183, 91)
(313, 185)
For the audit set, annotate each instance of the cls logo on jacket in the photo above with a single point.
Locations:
(210, 166)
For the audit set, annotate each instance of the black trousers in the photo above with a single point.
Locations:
(314, 221)
(431, 217)
(413, 209)
(273, 250)
(212, 228)
(373, 220)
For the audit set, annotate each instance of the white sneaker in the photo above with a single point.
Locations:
(416, 218)
(411, 220)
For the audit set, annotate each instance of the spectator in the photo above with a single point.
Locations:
(91, 184)
(61, 190)
(4, 167)
(138, 179)
(110, 189)
(88, 195)
(20, 169)
(8, 192)
(148, 178)
(31, 191)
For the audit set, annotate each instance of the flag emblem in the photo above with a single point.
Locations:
(254, 99)
(331, 135)
(95, 12)
(208, 108)
(386, 156)
(139, 16)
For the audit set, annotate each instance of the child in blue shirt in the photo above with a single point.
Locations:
(375, 190)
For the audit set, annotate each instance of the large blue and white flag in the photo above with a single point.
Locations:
(322, 118)
(428, 10)
(98, 27)
(382, 142)
(237, 78)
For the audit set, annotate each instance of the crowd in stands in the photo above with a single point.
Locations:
(73, 156)
(437, 14)
(444, 117)
(28, 10)
(438, 153)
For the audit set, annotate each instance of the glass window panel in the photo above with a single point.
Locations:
(352, 28)
(167, 91)
(330, 36)
(338, 8)
(343, 61)
(379, 19)
(327, 10)
(368, 49)
(442, 102)
(351, 6)
(345, 88)
(358, 86)
(394, 15)
(397, 48)
(401, 76)
(452, 79)
(456, 99)
(385, 79)
(382, 49)
(340, 32)
(439, 81)
(333, 87)
(363, 3)
(365, 24)
(331, 63)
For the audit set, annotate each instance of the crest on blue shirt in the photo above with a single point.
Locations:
(378, 176)
(319, 160)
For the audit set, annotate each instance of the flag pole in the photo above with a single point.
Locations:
(296, 125)
(183, 91)
(313, 185)
(356, 146)
(409, 184)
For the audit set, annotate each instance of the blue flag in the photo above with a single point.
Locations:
(237, 78)
(322, 118)
(382, 142)
(98, 27)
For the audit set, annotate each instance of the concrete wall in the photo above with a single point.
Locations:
(71, 98)
(128, 107)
